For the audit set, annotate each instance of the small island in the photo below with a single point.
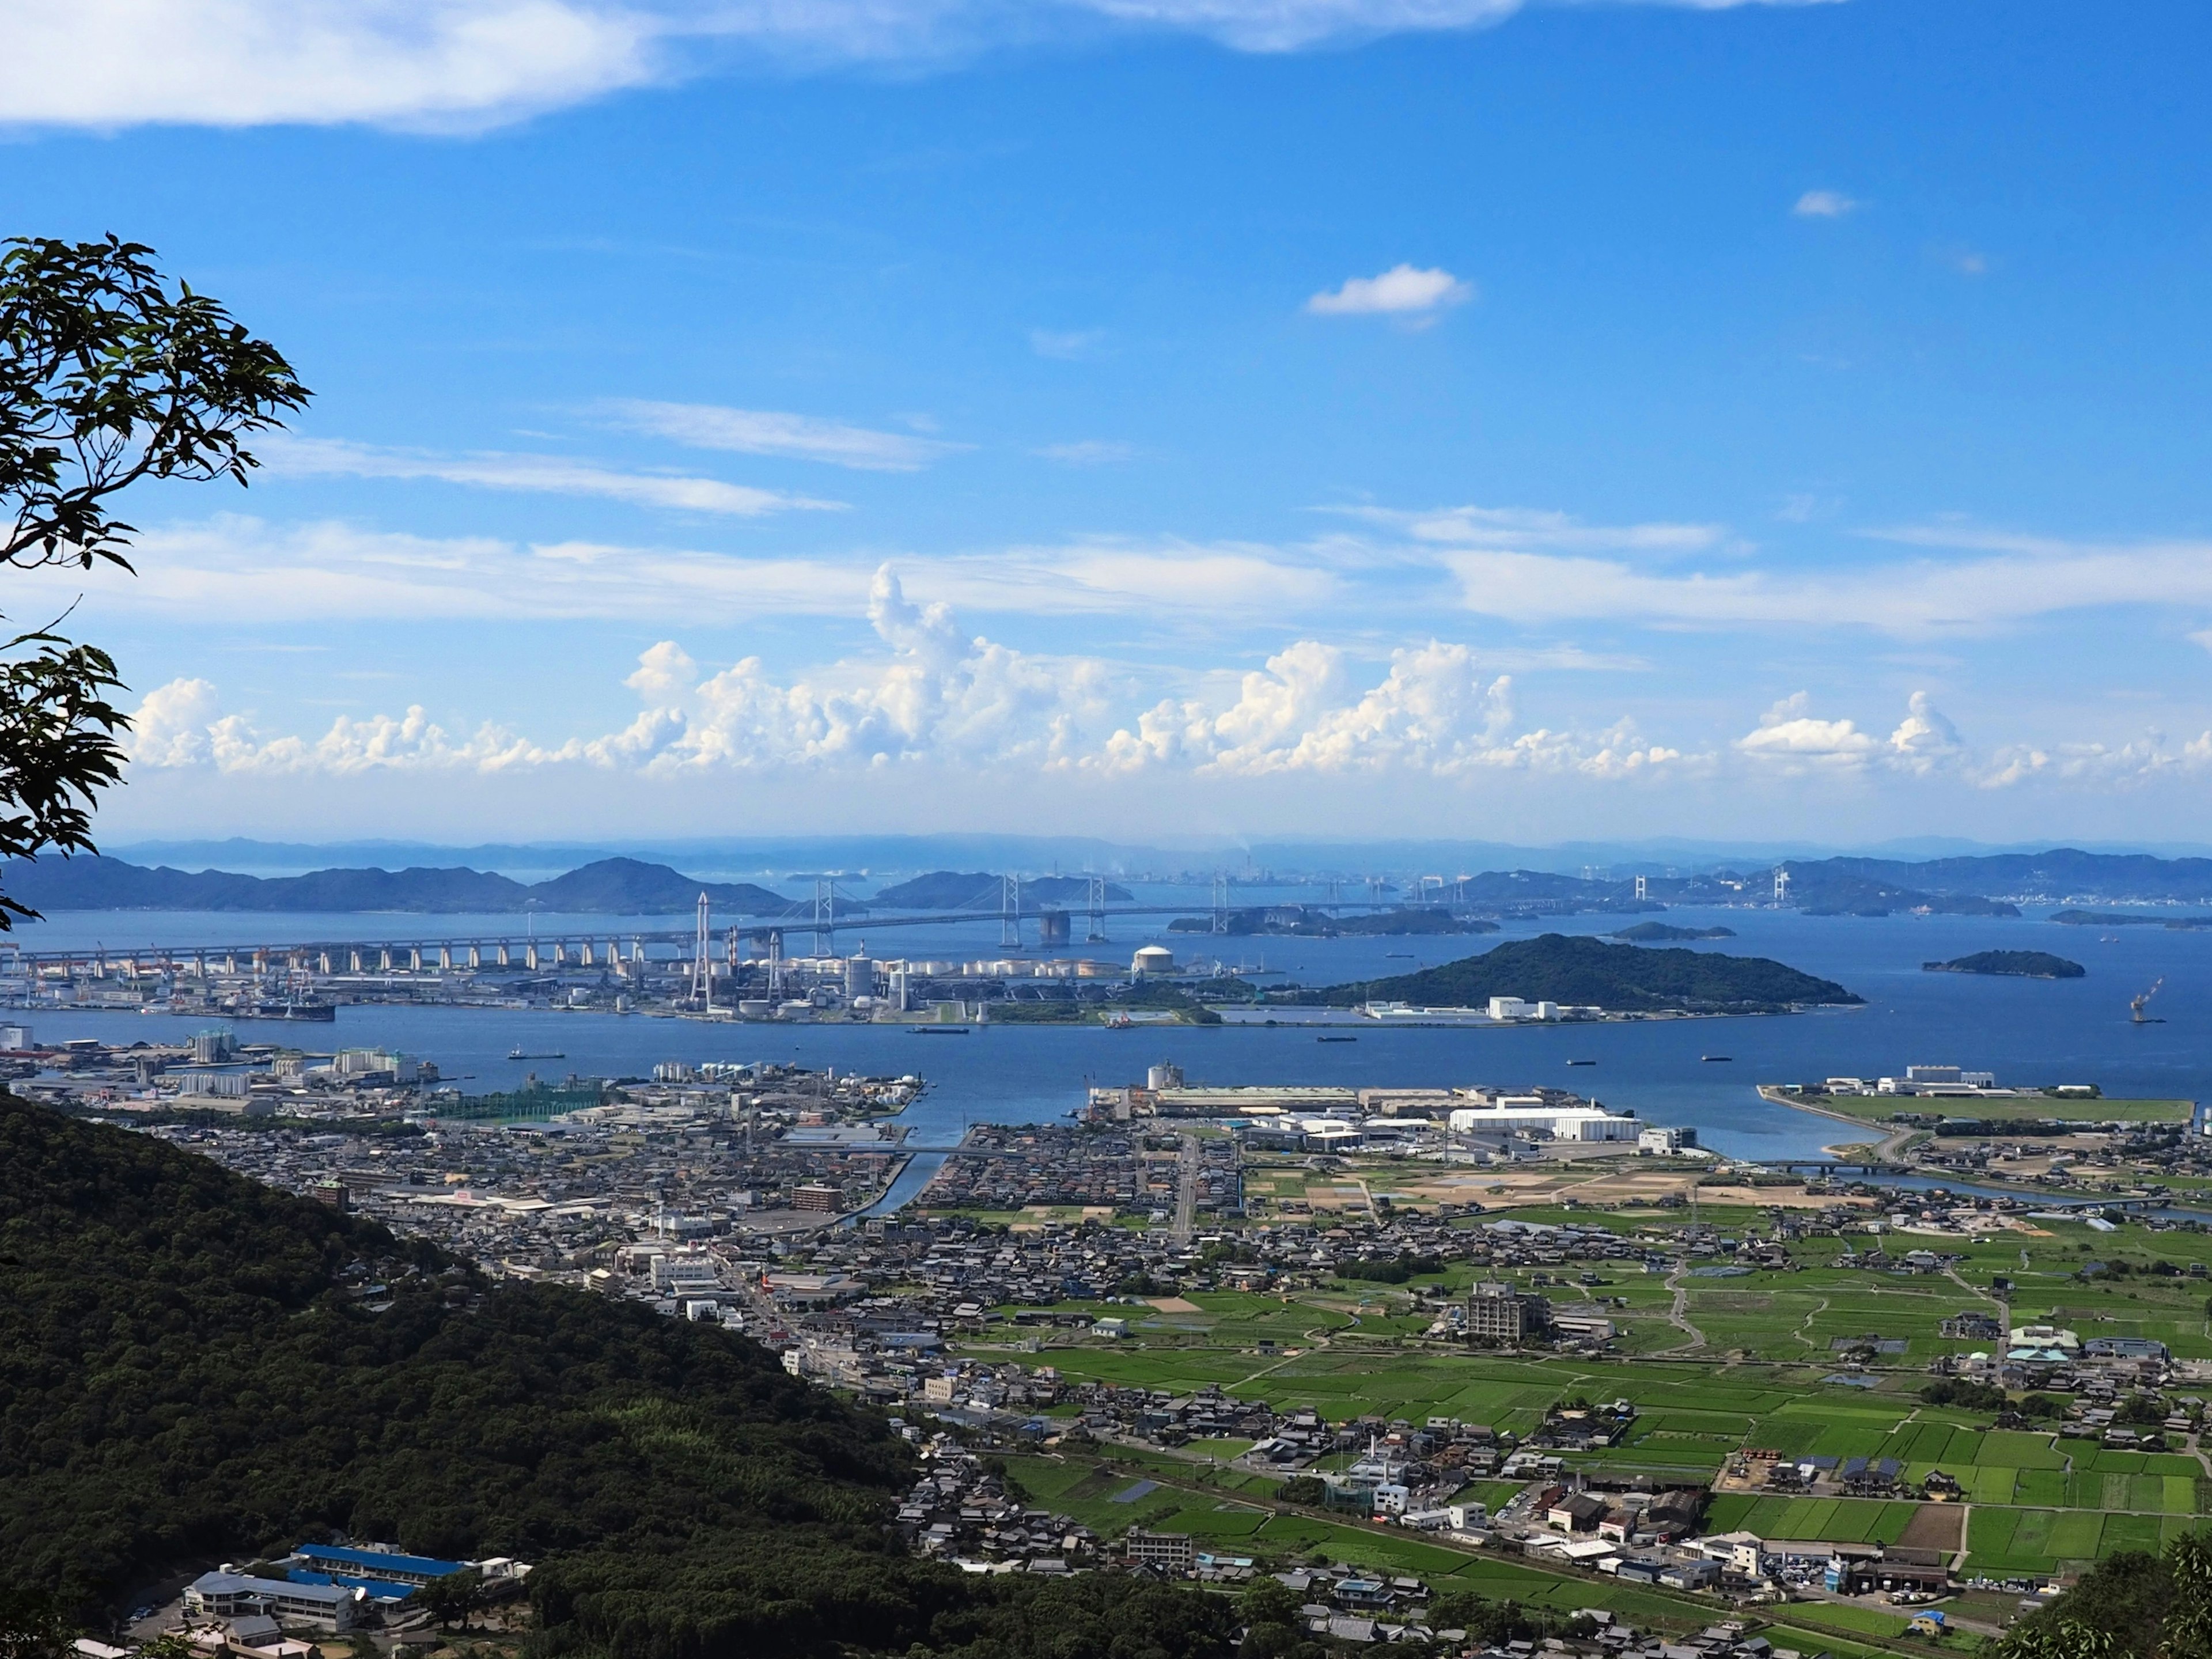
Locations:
(1659, 932)
(2014, 964)
(1581, 972)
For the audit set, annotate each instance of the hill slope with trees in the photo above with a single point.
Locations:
(187, 1375)
(1585, 972)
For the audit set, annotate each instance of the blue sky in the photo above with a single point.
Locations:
(1283, 417)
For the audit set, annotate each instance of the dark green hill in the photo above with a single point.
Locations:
(1657, 933)
(2020, 964)
(1591, 972)
(187, 1376)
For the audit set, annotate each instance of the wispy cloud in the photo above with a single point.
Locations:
(1526, 527)
(1068, 345)
(244, 571)
(1824, 205)
(314, 457)
(1087, 452)
(2014, 580)
(1400, 291)
(465, 64)
(768, 432)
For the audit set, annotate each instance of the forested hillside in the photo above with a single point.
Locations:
(187, 1375)
(1586, 972)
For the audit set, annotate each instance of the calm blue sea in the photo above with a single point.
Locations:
(2032, 1031)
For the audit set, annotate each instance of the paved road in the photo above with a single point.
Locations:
(1186, 1189)
(1677, 1314)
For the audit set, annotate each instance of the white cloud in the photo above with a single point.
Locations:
(2018, 579)
(243, 572)
(1791, 738)
(1069, 345)
(768, 432)
(936, 695)
(1400, 291)
(314, 457)
(249, 62)
(1087, 452)
(171, 725)
(1824, 205)
(1924, 740)
(465, 64)
(1523, 527)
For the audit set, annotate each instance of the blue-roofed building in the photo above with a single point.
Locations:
(385, 1574)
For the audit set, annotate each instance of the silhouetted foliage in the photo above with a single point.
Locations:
(107, 377)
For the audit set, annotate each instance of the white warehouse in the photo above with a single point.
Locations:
(1516, 1113)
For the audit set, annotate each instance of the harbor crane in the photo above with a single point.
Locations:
(2136, 1005)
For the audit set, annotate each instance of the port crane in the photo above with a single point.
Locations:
(2136, 1005)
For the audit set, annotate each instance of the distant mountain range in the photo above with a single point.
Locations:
(611, 887)
(1992, 884)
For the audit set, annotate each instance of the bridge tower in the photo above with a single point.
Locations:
(1782, 883)
(825, 916)
(1641, 893)
(702, 960)
(1094, 907)
(1010, 912)
(1220, 903)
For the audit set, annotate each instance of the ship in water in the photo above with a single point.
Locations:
(301, 1008)
(517, 1053)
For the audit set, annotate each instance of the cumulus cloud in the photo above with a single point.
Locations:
(1789, 736)
(1790, 739)
(936, 695)
(1823, 204)
(1400, 291)
(769, 432)
(470, 64)
(1924, 741)
(322, 458)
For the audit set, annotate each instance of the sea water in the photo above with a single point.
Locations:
(2028, 1031)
